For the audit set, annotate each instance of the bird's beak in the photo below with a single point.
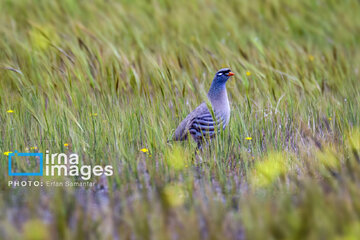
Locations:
(231, 74)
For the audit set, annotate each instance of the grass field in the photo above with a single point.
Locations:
(110, 81)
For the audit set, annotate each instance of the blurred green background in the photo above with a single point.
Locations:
(110, 81)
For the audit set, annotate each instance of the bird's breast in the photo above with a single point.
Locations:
(224, 116)
(221, 107)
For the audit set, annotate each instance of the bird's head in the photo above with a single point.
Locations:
(222, 76)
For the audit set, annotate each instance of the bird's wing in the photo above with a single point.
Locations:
(205, 125)
(181, 132)
(198, 122)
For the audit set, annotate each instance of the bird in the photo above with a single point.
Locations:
(203, 123)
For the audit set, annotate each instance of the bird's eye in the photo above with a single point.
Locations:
(219, 74)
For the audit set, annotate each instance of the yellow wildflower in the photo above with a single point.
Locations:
(311, 58)
(10, 111)
(330, 118)
(7, 153)
(248, 138)
(144, 150)
(248, 73)
(34, 148)
(93, 114)
(66, 144)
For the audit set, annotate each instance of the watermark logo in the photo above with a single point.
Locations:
(39, 155)
(53, 164)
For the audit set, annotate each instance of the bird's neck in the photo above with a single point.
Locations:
(218, 96)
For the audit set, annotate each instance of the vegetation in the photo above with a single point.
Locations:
(110, 81)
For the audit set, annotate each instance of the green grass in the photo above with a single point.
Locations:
(111, 78)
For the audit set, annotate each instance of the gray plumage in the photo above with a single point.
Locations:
(201, 124)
